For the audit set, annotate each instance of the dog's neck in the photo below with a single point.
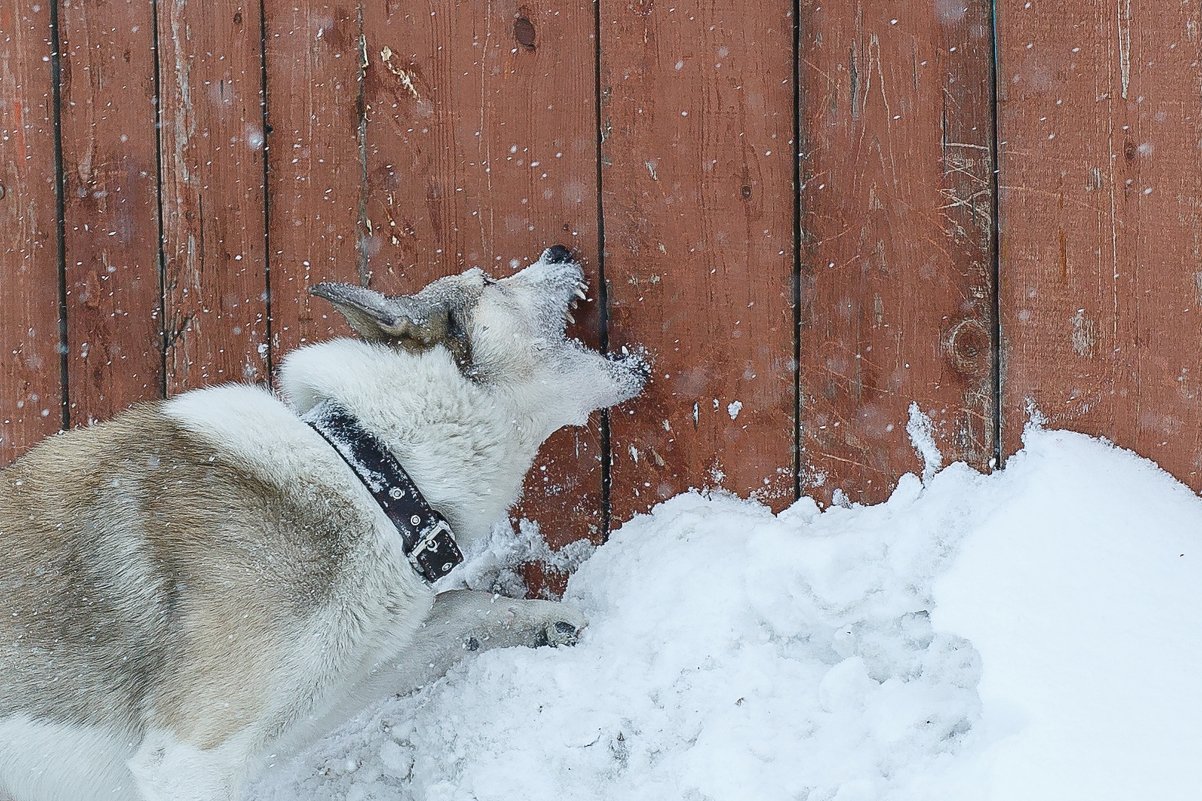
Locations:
(426, 537)
(467, 448)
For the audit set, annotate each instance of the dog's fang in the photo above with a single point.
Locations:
(571, 319)
(580, 294)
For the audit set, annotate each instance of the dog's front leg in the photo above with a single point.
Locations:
(459, 623)
(166, 769)
(466, 621)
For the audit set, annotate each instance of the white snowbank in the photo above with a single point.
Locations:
(1035, 634)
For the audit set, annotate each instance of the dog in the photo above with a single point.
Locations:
(207, 584)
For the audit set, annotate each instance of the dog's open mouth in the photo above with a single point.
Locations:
(579, 293)
(555, 290)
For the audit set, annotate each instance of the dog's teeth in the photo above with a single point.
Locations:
(573, 304)
(580, 294)
(571, 319)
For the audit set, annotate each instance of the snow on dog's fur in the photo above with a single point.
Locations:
(202, 584)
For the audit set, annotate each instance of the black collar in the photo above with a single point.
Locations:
(427, 538)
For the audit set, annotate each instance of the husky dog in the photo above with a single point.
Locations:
(205, 584)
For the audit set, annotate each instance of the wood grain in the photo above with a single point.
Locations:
(210, 67)
(315, 175)
(30, 375)
(412, 141)
(110, 176)
(698, 198)
(897, 211)
(1101, 250)
(480, 151)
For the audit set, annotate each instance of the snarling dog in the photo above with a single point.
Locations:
(209, 582)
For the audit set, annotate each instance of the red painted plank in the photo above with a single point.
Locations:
(30, 377)
(1101, 286)
(314, 85)
(697, 175)
(897, 210)
(480, 151)
(210, 71)
(114, 321)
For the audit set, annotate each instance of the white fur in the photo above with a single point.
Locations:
(58, 762)
(165, 769)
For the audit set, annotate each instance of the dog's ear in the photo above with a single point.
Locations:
(411, 322)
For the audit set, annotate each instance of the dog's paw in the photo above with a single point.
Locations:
(561, 625)
(561, 632)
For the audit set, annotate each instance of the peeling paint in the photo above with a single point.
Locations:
(1084, 336)
(1124, 23)
(405, 76)
(185, 121)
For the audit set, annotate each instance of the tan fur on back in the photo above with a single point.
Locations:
(136, 527)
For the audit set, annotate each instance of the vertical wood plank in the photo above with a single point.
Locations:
(110, 177)
(211, 135)
(481, 151)
(481, 147)
(30, 377)
(314, 106)
(1101, 288)
(698, 198)
(897, 210)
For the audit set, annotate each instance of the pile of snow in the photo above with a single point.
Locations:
(1034, 634)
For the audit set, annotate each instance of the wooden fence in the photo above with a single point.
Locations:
(813, 213)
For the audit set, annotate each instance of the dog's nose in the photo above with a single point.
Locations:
(557, 254)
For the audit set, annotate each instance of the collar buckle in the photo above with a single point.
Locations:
(436, 553)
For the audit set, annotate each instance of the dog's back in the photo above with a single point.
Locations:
(77, 578)
(78, 585)
(137, 597)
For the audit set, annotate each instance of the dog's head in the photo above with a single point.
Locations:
(508, 333)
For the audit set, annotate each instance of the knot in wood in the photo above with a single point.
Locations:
(523, 31)
(971, 348)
